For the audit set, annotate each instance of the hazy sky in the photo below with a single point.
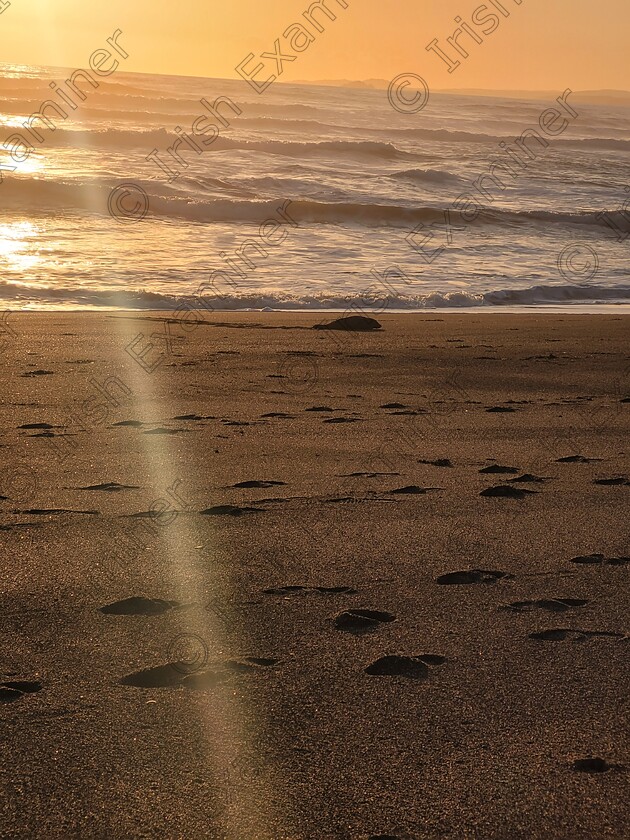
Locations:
(543, 44)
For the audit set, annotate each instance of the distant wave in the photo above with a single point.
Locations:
(597, 143)
(448, 136)
(166, 201)
(161, 138)
(144, 111)
(132, 105)
(17, 84)
(433, 176)
(142, 299)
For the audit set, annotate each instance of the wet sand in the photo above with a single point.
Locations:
(262, 581)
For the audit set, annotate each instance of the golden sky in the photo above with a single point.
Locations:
(539, 45)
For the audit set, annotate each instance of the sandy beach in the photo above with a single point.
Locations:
(264, 581)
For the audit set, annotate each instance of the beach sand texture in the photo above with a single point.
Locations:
(302, 584)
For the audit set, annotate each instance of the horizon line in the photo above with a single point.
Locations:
(362, 84)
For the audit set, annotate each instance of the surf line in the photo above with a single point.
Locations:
(102, 62)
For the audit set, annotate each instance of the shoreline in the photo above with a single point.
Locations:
(508, 309)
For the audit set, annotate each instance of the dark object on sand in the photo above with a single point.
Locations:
(502, 491)
(229, 510)
(576, 459)
(599, 559)
(258, 484)
(15, 689)
(527, 478)
(358, 620)
(438, 462)
(138, 605)
(354, 323)
(470, 576)
(591, 765)
(412, 667)
(110, 487)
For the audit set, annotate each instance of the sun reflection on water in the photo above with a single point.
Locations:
(18, 245)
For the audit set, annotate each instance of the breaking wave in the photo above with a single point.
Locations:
(374, 300)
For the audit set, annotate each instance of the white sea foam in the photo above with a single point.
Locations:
(359, 179)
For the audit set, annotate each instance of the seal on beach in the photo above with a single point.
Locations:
(354, 323)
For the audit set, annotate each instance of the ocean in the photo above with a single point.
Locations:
(307, 198)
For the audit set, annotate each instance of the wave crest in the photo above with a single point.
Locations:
(371, 301)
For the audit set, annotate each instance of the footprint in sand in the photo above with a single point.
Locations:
(438, 462)
(527, 478)
(576, 459)
(56, 512)
(310, 590)
(137, 605)
(109, 487)
(230, 510)
(592, 765)
(258, 484)
(202, 680)
(342, 420)
(411, 667)
(368, 474)
(182, 674)
(601, 560)
(549, 604)
(413, 490)
(503, 491)
(561, 634)
(471, 576)
(12, 690)
(361, 621)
